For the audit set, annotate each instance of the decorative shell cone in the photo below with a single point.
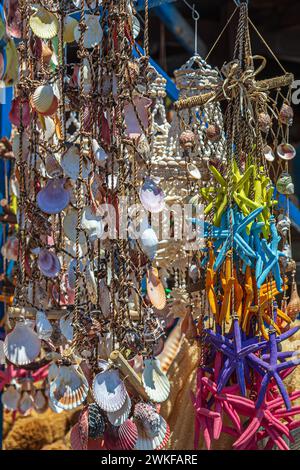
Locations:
(69, 389)
(109, 390)
(293, 307)
(121, 438)
(155, 382)
(116, 418)
(158, 442)
(22, 346)
(155, 290)
(44, 24)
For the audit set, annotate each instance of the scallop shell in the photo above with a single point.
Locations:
(54, 197)
(140, 107)
(22, 345)
(66, 326)
(70, 164)
(42, 98)
(286, 151)
(44, 328)
(69, 389)
(70, 24)
(93, 35)
(145, 442)
(116, 418)
(109, 390)
(92, 224)
(155, 290)
(44, 24)
(48, 128)
(48, 263)
(99, 154)
(147, 415)
(193, 171)
(152, 197)
(10, 398)
(155, 382)
(15, 114)
(121, 438)
(69, 227)
(76, 443)
(268, 153)
(149, 242)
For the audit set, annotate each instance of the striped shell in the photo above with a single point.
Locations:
(146, 415)
(109, 390)
(121, 438)
(155, 381)
(44, 24)
(158, 442)
(69, 388)
(22, 345)
(116, 418)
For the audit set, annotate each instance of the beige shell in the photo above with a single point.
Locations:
(44, 24)
(155, 290)
(42, 98)
(155, 381)
(70, 24)
(69, 388)
(193, 171)
(293, 307)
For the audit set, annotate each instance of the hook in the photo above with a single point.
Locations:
(196, 17)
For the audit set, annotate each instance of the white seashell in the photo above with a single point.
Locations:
(99, 154)
(93, 35)
(149, 242)
(69, 389)
(42, 98)
(22, 346)
(145, 442)
(136, 27)
(52, 372)
(116, 418)
(49, 129)
(55, 408)
(105, 346)
(66, 326)
(25, 404)
(155, 381)
(193, 171)
(16, 145)
(109, 390)
(70, 164)
(69, 227)
(92, 224)
(2, 355)
(268, 153)
(70, 24)
(43, 23)
(10, 398)
(44, 328)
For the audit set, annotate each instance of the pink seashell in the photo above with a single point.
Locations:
(121, 438)
(15, 115)
(54, 197)
(52, 109)
(151, 196)
(48, 263)
(75, 438)
(133, 127)
(13, 18)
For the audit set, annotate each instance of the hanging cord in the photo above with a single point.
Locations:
(196, 17)
(146, 29)
(221, 34)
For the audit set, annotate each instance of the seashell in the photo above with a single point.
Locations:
(145, 442)
(26, 403)
(10, 398)
(152, 197)
(283, 225)
(147, 415)
(83, 423)
(2, 355)
(136, 27)
(149, 242)
(155, 382)
(109, 390)
(213, 132)
(44, 328)
(69, 388)
(22, 345)
(286, 114)
(54, 408)
(121, 438)
(92, 224)
(54, 197)
(44, 24)
(53, 168)
(40, 402)
(91, 283)
(48, 127)
(75, 438)
(70, 24)
(140, 106)
(268, 153)
(293, 307)
(116, 418)
(93, 34)
(193, 171)
(187, 139)
(69, 227)
(70, 163)
(285, 184)
(15, 112)
(66, 326)
(42, 98)
(96, 421)
(48, 263)
(52, 372)
(99, 154)
(46, 53)
(65, 295)
(286, 151)
(155, 289)
(264, 122)
(16, 145)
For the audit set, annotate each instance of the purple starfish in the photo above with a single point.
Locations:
(237, 352)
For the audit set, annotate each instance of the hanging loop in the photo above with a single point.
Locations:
(239, 2)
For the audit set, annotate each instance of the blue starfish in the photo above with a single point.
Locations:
(237, 354)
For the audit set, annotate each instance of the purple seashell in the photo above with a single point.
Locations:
(54, 197)
(48, 263)
(152, 197)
